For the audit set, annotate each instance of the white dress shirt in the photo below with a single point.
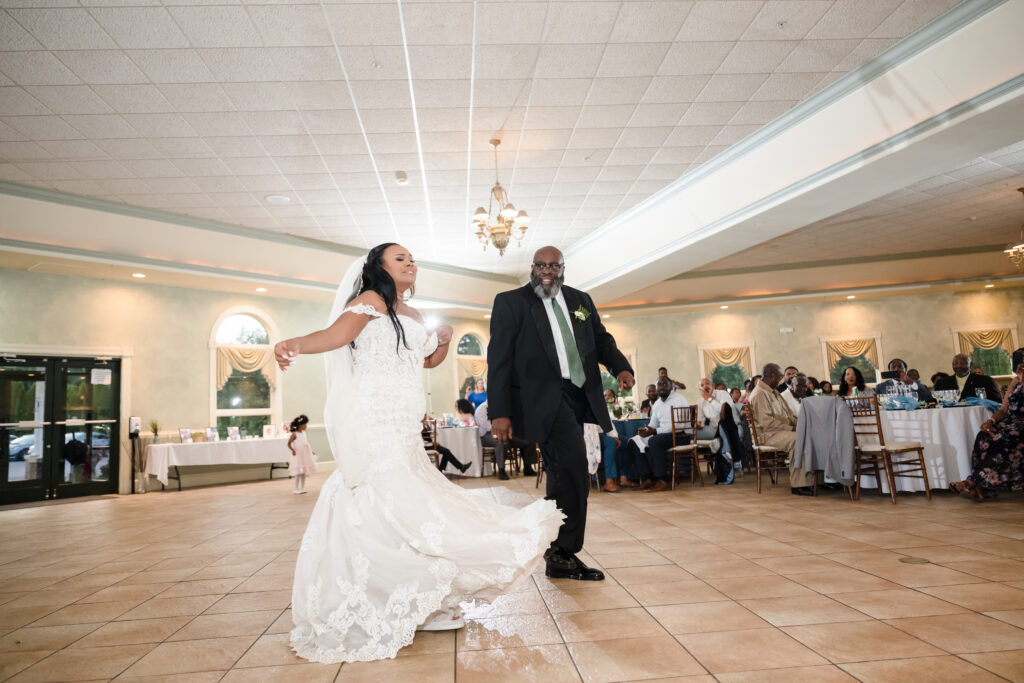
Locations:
(791, 401)
(661, 412)
(482, 421)
(711, 411)
(556, 331)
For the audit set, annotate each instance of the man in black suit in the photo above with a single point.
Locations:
(967, 382)
(543, 383)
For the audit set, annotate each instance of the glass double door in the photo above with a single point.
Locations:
(59, 427)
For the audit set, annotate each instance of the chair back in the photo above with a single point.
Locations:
(684, 421)
(867, 421)
(748, 414)
(430, 432)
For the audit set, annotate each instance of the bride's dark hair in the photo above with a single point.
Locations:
(376, 279)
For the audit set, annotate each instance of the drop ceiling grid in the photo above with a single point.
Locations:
(223, 104)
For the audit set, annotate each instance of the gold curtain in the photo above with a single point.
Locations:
(851, 348)
(737, 355)
(478, 367)
(986, 339)
(244, 359)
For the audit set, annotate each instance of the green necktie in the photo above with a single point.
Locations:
(572, 354)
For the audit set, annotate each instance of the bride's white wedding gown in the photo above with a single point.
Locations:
(380, 557)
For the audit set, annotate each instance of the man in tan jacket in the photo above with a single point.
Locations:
(776, 424)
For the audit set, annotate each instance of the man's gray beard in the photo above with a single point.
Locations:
(546, 292)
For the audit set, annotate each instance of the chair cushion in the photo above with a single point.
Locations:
(895, 447)
(680, 449)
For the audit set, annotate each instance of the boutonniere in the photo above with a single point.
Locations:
(581, 313)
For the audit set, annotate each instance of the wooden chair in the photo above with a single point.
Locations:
(766, 458)
(487, 455)
(430, 441)
(684, 423)
(870, 449)
(540, 467)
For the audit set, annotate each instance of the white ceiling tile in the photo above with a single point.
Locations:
(610, 116)
(102, 66)
(365, 24)
(36, 68)
(63, 28)
(589, 138)
(18, 102)
(241, 64)
(81, 187)
(644, 137)
(43, 127)
(440, 61)
(692, 136)
(696, 58)
(761, 112)
(172, 66)
(50, 170)
(509, 23)
(515, 61)
(649, 22)
(627, 156)
(756, 57)
(319, 95)
(217, 123)
(8, 134)
(128, 186)
(13, 173)
(216, 26)
(382, 94)
(676, 155)
(134, 99)
(288, 145)
(307, 64)
(102, 125)
(562, 61)
(239, 146)
(69, 99)
(249, 96)
(140, 27)
(455, 92)
(312, 181)
(431, 24)
(101, 169)
(786, 19)
(632, 59)
(245, 166)
(658, 114)
(219, 184)
(539, 118)
(730, 135)
(182, 147)
(709, 113)
(711, 21)
(14, 37)
(194, 168)
(617, 90)
(275, 122)
(667, 89)
(197, 97)
(817, 55)
(663, 171)
(580, 22)
(152, 168)
(22, 150)
(910, 16)
(290, 25)
(792, 86)
(730, 87)
(846, 19)
(864, 51)
(160, 125)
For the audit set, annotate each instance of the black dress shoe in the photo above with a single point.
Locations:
(529, 472)
(502, 475)
(562, 565)
(802, 491)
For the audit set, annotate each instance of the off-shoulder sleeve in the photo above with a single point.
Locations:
(364, 309)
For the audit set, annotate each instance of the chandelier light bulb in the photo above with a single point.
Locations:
(522, 218)
(508, 212)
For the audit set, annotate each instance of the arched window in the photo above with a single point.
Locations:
(470, 345)
(472, 363)
(244, 392)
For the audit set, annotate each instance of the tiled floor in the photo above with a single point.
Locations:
(718, 583)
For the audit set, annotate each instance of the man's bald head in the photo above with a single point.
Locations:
(548, 255)
(771, 374)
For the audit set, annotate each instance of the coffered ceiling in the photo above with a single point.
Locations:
(206, 109)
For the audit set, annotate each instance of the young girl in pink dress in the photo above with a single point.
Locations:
(302, 461)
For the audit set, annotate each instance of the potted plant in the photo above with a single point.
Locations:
(154, 427)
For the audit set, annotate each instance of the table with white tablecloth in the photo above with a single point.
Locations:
(162, 457)
(464, 443)
(947, 435)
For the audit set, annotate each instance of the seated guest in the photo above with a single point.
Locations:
(526, 448)
(709, 413)
(608, 470)
(852, 384)
(977, 369)
(651, 460)
(610, 398)
(776, 425)
(893, 386)
(937, 376)
(663, 372)
(966, 382)
(447, 457)
(721, 387)
(736, 396)
(796, 391)
(813, 386)
(478, 395)
(825, 388)
(913, 375)
(997, 461)
(464, 413)
(790, 374)
(652, 396)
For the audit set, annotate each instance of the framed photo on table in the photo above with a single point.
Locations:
(212, 434)
(185, 434)
(269, 431)
(234, 434)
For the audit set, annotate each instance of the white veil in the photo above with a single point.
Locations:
(340, 409)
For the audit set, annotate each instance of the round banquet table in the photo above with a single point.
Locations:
(464, 443)
(626, 430)
(947, 435)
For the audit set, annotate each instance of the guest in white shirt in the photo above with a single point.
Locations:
(656, 437)
(796, 391)
(710, 410)
(527, 449)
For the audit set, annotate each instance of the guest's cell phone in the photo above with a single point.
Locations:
(891, 374)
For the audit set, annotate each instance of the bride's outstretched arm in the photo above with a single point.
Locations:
(444, 338)
(342, 332)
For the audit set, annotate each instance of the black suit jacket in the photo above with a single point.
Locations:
(524, 382)
(974, 382)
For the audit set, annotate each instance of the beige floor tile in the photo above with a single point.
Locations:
(610, 596)
(706, 617)
(170, 607)
(83, 664)
(232, 571)
(630, 659)
(860, 641)
(430, 643)
(417, 669)
(13, 662)
(893, 604)
(947, 553)
(283, 624)
(269, 650)
(760, 587)
(1005, 548)
(842, 581)
(547, 663)
(213, 654)
(266, 582)
(295, 673)
(125, 592)
(917, 576)
(132, 632)
(628, 576)
(251, 602)
(765, 648)
(674, 592)
(510, 631)
(731, 568)
(1015, 616)
(812, 609)
(981, 597)
(225, 625)
(608, 624)
(960, 633)
(187, 589)
(640, 558)
(802, 674)
(524, 602)
(44, 637)
(945, 669)
(798, 564)
(87, 614)
(764, 550)
(158, 576)
(1008, 664)
(995, 569)
(687, 551)
(191, 677)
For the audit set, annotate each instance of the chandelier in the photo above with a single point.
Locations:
(499, 223)
(1016, 251)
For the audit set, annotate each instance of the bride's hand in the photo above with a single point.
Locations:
(285, 352)
(444, 334)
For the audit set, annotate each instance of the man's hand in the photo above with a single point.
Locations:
(626, 380)
(645, 431)
(501, 429)
(706, 391)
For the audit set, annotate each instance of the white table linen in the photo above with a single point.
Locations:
(947, 435)
(464, 443)
(163, 456)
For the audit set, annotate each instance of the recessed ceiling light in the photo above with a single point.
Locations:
(605, 316)
(261, 289)
(989, 286)
(851, 296)
(724, 306)
(139, 275)
(278, 199)
(401, 177)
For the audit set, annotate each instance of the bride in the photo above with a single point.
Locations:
(392, 546)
